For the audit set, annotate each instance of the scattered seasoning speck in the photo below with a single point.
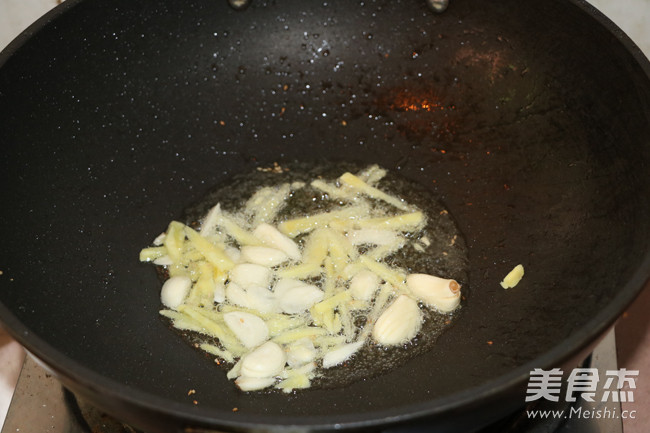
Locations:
(191, 391)
(195, 402)
(277, 168)
(490, 343)
(234, 409)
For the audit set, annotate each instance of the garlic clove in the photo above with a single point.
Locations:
(174, 291)
(272, 237)
(301, 352)
(254, 297)
(246, 383)
(261, 299)
(233, 373)
(264, 256)
(341, 354)
(363, 285)
(439, 293)
(267, 360)
(399, 323)
(248, 328)
(233, 253)
(297, 299)
(284, 284)
(250, 274)
(236, 295)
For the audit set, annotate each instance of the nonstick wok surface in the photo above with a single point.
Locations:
(529, 120)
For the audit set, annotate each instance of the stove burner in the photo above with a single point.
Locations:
(41, 404)
(94, 420)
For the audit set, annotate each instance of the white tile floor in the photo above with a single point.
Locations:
(633, 16)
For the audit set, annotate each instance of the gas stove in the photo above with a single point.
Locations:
(41, 404)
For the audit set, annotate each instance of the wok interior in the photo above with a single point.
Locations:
(528, 120)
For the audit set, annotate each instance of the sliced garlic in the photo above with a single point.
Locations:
(299, 298)
(261, 299)
(399, 323)
(272, 237)
(248, 328)
(236, 295)
(211, 220)
(301, 352)
(174, 291)
(250, 274)
(284, 284)
(264, 256)
(267, 360)
(440, 293)
(246, 383)
(253, 297)
(340, 354)
(160, 239)
(363, 285)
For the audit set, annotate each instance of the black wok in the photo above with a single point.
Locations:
(530, 120)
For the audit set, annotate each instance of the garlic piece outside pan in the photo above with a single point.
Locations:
(174, 291)
(264, 256)
(399, 323)
(267, 360)
(272, 237)
(248, 328)
(439, 293)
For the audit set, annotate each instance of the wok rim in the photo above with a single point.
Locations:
(79, 378)
(84, 380)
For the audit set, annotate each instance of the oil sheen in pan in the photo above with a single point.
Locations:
(445, 256)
